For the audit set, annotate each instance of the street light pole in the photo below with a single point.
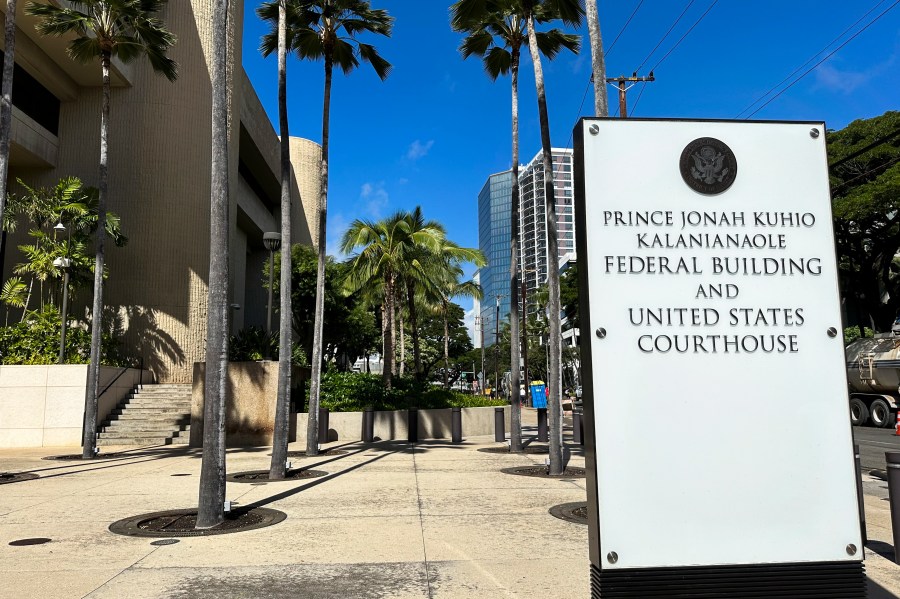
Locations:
(272, 241)
(63, 264)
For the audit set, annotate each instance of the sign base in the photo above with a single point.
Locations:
(822, 580)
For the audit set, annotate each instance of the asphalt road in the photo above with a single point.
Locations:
(873, 443)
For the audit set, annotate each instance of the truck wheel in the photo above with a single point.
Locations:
(859, 413)
(880, 412)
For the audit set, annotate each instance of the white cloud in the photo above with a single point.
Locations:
(374, 198)
(578, 63)
(418, 150)
(832, 78)
(469, 320)
(449, 82)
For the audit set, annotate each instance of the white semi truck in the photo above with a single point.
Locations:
(873, 375)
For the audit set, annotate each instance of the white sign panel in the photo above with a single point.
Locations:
(720, 402)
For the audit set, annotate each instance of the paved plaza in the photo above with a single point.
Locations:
(389, 521)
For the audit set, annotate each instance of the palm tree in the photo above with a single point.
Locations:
(388, 250)
(416, 273)
(6, 90)
(124, 29)
(598, 60)
(211, 503)
(327, 30)
(451, 286)
(497, 35)
(277, 468)
(570, 12)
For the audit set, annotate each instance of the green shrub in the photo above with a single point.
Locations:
(254, 344)
(851, 334)
(35, 340)
(353, 392)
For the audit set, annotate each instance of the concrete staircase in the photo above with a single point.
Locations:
(150, 415)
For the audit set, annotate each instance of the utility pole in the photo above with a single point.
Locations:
(479, 322)
(497, 350)
(623, 89)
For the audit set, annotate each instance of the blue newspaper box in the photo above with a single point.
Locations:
(539, 396)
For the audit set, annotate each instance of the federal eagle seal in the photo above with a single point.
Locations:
(708, 166)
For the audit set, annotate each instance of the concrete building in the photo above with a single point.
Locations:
(159, 178)
(535, 255)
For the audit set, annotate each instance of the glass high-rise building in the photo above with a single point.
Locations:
(494, 209)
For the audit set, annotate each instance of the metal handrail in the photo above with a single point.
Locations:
(118, 376)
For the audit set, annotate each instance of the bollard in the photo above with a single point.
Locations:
(577, 430)
(499, 425)
(456, 424)
(893, 475)
(859, 494)
(323, 425)
(542, 425)
(368, 425)
(412, 425)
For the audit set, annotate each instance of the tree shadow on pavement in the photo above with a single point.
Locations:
(876, 591)
(885, 550)
(314, 483)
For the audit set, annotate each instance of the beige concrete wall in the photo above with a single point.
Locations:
(250, 406)
(306, 158)
(43, 406)
(159, 184)
(432, 424)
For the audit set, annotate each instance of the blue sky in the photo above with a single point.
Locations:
(437, 127)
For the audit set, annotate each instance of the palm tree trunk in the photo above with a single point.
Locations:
(598, 60)
(277, 468)
(394, 329)
(414, 329)
(515, 405)
(388, 365)
(89, 440)
(444, 309)
(554, 408)
(210, 509)
(402, 345)
(312, 423)
(6, 102)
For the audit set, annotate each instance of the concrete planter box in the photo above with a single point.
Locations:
(250, 412)
(432, 424)
(43, 406)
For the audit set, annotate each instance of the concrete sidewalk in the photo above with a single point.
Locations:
(389, 521)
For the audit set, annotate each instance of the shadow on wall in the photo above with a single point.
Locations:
(250, 407)
(141, 338)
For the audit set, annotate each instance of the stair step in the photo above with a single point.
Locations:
(137, 425)
(152, 414)
(143, 441)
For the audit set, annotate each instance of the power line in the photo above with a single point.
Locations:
(862, 151)
(811, 58)
(641, 93)
(885, 166)
(672, 49)
(625, 26)
(829, 55)
(687, 33)
(659, 43)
